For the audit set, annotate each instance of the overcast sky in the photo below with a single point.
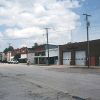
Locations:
(21, 19)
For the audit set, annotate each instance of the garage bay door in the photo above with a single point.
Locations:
(66, 58)
(80, 57)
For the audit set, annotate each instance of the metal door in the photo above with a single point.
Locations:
(66, 58)
(80, 57)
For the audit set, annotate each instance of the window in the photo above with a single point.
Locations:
(40, 54)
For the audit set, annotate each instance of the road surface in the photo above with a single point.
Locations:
(22, 81)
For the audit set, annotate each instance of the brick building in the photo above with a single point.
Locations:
(21, 52)
(76, 53)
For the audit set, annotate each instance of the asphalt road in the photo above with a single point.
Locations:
(77, 84)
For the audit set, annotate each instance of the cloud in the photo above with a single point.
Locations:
(26, 18)
(27, 32)
(2, 41)
(1, 35)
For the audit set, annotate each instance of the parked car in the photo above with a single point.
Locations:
(4, 61)
(13, 62)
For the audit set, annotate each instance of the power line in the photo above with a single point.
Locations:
(15, 38)
(71, 36)
(9, 44)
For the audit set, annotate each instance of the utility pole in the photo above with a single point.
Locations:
(9, 44)
(47, 47)
(88, 44)
(9, 52)
(71, 36)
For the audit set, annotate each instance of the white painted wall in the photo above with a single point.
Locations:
(3, 57)
(9, 56)
(12, 57)
(30, 57)
(23, 56)
(52, 52)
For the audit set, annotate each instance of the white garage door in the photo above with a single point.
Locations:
(80, 57)
(66, 58)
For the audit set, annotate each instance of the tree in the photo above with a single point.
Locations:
(10, 48)
(35, 45)
(6, 50)
(17, 56)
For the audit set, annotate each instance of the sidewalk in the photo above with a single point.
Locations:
(69, 66)
(80, 70)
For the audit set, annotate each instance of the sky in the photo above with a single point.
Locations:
(23, 22)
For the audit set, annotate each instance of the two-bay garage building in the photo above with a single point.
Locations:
(76, 53)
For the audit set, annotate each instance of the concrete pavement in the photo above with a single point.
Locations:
(78, 84)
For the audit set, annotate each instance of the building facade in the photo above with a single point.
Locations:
(39, 54)
(19, 54)
(76, 53)
(1, 56)
(9, 56)
(35, 55)
(31, 55)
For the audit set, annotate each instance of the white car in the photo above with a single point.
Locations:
(13, 62)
